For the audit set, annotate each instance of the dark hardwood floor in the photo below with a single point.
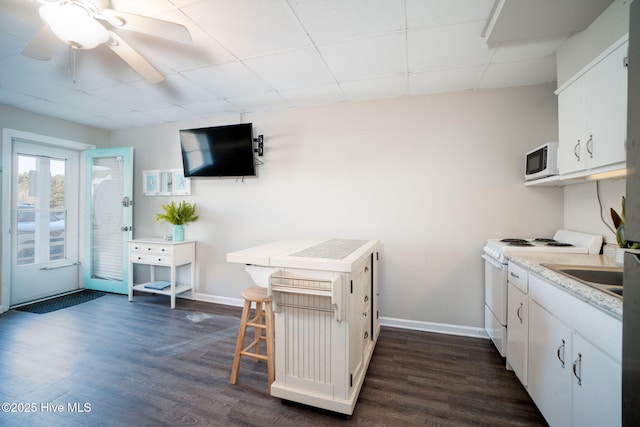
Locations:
(143, 364)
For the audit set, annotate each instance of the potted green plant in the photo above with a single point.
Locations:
(178, 215)
(618, 223)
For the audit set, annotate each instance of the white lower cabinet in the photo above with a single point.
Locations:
(517, 331)
(572, 381)
(549, 366)
(596, 387)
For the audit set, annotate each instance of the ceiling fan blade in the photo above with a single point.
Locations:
(134, 59)
(147, 25)
(43, 45)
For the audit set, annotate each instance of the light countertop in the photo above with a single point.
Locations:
(599, 299)
(339, 255)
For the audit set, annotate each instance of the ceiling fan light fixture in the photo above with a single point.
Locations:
(74, 25)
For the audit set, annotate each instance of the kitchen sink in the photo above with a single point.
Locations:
(605, 279)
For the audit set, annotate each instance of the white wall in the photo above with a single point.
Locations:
(432, 177)
(583, 211)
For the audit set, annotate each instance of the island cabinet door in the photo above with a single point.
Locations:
(549, 375)
(357, 329)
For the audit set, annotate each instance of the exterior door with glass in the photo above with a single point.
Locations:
(108, 219)
(44, 221)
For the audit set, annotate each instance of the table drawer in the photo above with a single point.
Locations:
(147, 258)
(146, 248)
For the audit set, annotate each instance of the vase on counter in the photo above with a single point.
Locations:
(178, 233)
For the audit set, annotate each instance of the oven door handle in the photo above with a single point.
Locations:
(493, 261)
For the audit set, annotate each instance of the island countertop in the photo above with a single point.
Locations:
(317, 254)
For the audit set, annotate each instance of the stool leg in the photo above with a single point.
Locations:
(257, 333)
(269, 332)
(240, 343)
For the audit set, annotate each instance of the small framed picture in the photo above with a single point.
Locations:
(151, 182)
(181, 184)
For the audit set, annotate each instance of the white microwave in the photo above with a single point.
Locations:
(541, 162)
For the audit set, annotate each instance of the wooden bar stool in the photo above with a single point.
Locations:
(262, 320)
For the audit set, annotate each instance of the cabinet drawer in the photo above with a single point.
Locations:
(146, 248)
(518, 276)
(147, 258)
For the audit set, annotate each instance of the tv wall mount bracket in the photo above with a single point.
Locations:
(260, 149)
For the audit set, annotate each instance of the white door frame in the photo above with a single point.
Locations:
(8, 137)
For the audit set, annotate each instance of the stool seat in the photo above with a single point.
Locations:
(261, 321)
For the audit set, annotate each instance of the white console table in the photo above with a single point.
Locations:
(157, 252)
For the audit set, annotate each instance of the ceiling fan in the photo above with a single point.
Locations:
(80, 25)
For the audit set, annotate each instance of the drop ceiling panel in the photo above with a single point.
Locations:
(314, 95)
(84, 102)
(169, 114)
(421, 13)
(212, 108)
(447, 47)
(227, 80)
(177, 89)
(249, 28)
(290, 69)
(456, 80)
(260, 101)
(330, 21)
(386, 87)
(366, 58)
(130, 97)
(522, 73)
(33, 86)
(538, 48)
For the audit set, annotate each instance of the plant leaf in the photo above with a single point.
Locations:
(615, 218)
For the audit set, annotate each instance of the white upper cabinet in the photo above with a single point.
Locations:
(592, 115)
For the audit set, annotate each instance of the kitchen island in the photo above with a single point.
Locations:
(325, 302)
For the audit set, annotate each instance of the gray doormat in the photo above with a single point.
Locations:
(61, 302)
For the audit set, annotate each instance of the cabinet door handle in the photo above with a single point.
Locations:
(577, 369)
(366, 298)
(514, 275)
(576, 150)
(366, 269)
(590, 146)
(366, 334)
(518, 312)
(561, 358)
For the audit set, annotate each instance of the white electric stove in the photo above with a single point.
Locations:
(496, 253)
(563, 241)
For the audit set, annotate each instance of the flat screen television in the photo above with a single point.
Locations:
(220, 151)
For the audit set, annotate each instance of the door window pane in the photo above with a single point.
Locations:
(40, 216)
(107, 184)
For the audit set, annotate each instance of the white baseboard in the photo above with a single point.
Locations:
(235, 302)
(440, 328)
